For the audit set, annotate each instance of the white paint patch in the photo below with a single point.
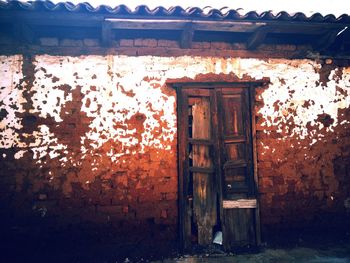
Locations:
(116, 88)
(11, 99)
(293, 82)
(48, 97)
(19, 154)
(45, 144)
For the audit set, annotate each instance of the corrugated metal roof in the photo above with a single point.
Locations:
(177, 11)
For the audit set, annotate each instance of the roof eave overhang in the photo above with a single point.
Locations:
(108, 23)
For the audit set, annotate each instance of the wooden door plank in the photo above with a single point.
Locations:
(240, 231)
(239, 227)
(221, 160)
(215, 94)
(204, 197)
(201, 170)
(234, 139)
(201, 141)
(247, 122)
(204, 210)
(240, 203)
(184, 208)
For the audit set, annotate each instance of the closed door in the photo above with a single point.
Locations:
(215, 166)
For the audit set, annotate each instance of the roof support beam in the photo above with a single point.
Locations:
(187, 36)
(330, 38)
(23, 32)
(106, 33)
(326, 40)
(177, 24)
(258, 37)
(95, 20)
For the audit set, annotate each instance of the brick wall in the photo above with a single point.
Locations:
(148, 46)
(92, 140)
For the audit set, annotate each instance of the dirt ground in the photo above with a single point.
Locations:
(336, 254)
(321, 247)
(331, 246)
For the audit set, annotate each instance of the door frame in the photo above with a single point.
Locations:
(251, 85)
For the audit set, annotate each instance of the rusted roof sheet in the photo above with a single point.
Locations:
(177, 11)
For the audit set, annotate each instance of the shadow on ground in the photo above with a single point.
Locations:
(332, 247)
(335, 254)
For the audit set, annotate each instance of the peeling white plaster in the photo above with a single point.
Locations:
(11, 99)
(119, 87)
(301, 77)
(45, 144)
(19, 154)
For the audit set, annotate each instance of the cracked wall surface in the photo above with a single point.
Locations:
(96, 136)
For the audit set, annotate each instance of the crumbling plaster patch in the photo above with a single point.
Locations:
(130, 109)
(11, 99)
(104, 80)
(293, 83)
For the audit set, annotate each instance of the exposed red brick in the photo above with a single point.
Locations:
(126, 42)
(220, 45)
(91, 42)
(71, 43)
(164, 214)
(168, 43)
(286, 47)
(49, 41)
(200, 45)
(145, 42)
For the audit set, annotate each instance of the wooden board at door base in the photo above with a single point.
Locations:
(239, 228)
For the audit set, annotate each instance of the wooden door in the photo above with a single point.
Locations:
(216, 167)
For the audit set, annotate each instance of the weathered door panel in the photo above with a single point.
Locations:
(239, 227)
(218, 185)
(204, 192)
(204, 207)
(238, 184)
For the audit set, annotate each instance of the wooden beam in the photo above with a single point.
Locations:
(187, 36)
(52, 19)
(23, 32)
(178, 24)
(125, 22)
(227, 26)
(317, 55)
(106, 34)
(257, 37)
(240, 203)
(326, 40)
(158, 24)
(221, 26)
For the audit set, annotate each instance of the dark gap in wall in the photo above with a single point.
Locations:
(156, 34)
(220, 36)
(67, 32)
(6, 31)
(274, 38)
